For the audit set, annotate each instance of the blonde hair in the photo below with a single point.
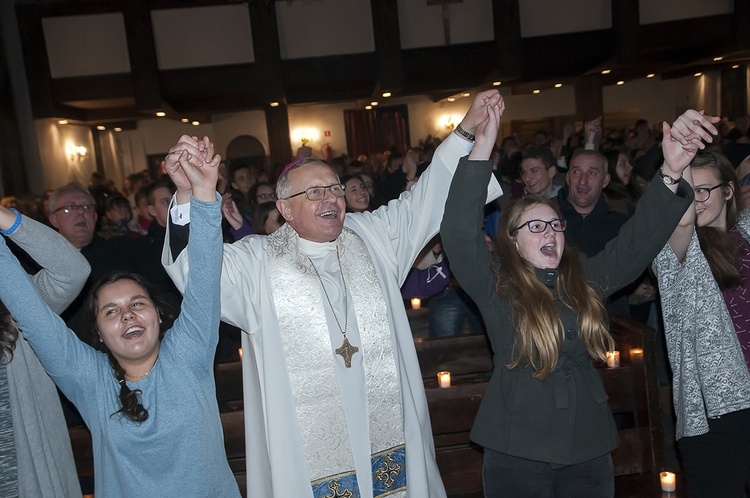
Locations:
(538, 334)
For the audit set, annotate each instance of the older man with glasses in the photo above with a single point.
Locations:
(334, 400)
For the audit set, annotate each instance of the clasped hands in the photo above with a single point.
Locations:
(193, 167)
(684, 138)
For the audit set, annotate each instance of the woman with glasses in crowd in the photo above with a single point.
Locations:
(544, 421)
(704, 278)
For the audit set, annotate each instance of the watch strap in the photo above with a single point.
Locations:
(465, 134)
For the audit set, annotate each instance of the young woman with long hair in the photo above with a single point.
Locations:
(704, 278)
(149, 395)
(36, 458)
(544, 421)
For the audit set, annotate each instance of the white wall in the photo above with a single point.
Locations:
(125, 152)
(58, 168)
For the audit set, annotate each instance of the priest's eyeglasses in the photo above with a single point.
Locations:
(318, 192)
(539, 226)
(703, 193)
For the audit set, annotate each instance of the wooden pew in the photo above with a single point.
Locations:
(632, 389)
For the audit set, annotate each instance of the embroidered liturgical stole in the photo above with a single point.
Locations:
(311, 362)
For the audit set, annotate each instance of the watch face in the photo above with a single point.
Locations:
(668, 180)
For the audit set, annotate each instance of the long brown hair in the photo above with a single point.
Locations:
(720, 248)
(538, 334)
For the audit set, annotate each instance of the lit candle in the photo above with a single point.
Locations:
(636, 356)
(668, 481)
(240, 351)
(416, 303)
(613, 359)
(444, 379)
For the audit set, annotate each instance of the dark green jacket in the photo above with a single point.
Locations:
(564, 419)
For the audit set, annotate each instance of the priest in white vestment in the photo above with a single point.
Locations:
(333, 395)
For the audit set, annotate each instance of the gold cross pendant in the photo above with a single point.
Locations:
(347, 351)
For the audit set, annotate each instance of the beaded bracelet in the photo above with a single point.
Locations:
(15, 223)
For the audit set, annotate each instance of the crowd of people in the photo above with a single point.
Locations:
(534, 244)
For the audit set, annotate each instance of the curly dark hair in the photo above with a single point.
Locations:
(8, 334)
(130, 399)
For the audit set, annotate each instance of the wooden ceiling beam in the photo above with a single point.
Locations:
(144, 65)
(506, 17)
(265, 32)
(626, 30)
(387, 37)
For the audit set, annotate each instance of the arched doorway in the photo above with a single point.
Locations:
(246, 150)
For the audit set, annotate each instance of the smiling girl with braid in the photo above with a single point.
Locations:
(150, 399)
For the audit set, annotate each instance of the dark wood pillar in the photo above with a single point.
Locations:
(277, 125)
(734, 92)
(588, 95)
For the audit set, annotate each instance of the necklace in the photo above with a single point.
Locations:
(139, 378)
(346, 351)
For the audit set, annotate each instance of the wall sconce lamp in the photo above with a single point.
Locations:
(305, 135)
(77, 153)
(450, 122)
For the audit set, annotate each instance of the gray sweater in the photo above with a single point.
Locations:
(709, 374)
(44, 457)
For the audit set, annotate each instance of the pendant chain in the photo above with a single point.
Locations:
(346, 310)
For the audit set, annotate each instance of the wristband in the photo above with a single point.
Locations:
(468, 136)
(15, 223)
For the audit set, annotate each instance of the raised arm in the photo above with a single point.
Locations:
(402, 228)
(200, 310)
(461, 228)
(64, 270)
(680, 144)
(71, 363)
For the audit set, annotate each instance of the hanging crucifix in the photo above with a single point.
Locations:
(446, 19)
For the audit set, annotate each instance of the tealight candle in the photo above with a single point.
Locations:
(668, 481)
(636, 355)
(444, 379)
(416, 303)
(240, 351)
(613, 359)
